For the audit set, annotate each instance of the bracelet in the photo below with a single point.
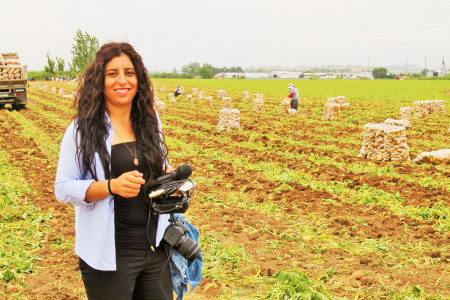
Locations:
(109, 188)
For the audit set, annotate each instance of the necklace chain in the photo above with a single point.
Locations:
(136, 161)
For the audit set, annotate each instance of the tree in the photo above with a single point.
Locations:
(191, 68)
(379, 73)
(72, 67)
(50, 68)
(424, 72)
(206, 71)
(60, 64)
(83, 50)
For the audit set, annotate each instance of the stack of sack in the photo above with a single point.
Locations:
(258, 96)
(10, 66)
(229, 119)
(434, 157)
(258, 104)
(226, 102)
(331, 111)
(437, 106)
(339, 100)
(160, 108)
(385, 142)
(423, 108)
(285, 105)
(209, 101)
(405, 123)
(221, 93)
(405, 113)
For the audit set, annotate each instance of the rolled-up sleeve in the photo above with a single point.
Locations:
(69, 185)
(166, 163)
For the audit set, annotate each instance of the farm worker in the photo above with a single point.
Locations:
(293, 94)
(177, 92)
(112, 147)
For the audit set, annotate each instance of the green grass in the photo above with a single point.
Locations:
(23, 227)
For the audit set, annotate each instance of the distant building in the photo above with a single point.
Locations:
(295, 75)
(246, 75)
(434, 73)
(284, 74)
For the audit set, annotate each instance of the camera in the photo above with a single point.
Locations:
(170, 197)
(175, 237)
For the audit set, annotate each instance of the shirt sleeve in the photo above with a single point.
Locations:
(166, 163)
(70, 187)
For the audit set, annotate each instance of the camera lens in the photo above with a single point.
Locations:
(188, 248)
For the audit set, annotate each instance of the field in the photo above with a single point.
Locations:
(285, 207)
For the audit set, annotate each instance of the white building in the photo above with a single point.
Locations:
(434, 73)
(295, 75)
(246, 75)
(284, 74)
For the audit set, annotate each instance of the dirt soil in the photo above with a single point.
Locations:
(58, 275)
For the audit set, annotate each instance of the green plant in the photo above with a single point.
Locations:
(295, 285)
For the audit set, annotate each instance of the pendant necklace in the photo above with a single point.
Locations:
(135, 161)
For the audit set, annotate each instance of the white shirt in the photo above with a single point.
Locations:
(295, 92)
(94, 222)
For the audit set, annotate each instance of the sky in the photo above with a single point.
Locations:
(248, 33)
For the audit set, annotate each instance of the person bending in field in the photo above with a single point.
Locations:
(112, 147)
(177, 92)
(293, 94)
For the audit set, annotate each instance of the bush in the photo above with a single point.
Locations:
(379, 73)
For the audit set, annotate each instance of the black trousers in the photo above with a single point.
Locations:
(294, 104)
(140, 275)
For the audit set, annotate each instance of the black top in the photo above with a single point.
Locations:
(135, 223)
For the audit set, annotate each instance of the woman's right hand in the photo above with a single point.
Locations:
(128, 184)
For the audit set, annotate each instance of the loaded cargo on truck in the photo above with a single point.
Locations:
(13, 81)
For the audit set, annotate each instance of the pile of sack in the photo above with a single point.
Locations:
(10, 66)
(434, 157)
(229, 119)
(285, 105)
(339, 100)
(423, 108)
(160, 108)
(331, 111)
(385, 142)
(405, 113)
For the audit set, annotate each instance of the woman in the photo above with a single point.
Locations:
(112, 147)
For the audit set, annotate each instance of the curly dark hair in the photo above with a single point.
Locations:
(91, 119)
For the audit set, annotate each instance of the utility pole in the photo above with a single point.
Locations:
(425, 62)
(406, 67)
(368, 62)
(443, 66)
(335, 70)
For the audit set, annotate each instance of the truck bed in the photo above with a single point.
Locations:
(13, 83)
